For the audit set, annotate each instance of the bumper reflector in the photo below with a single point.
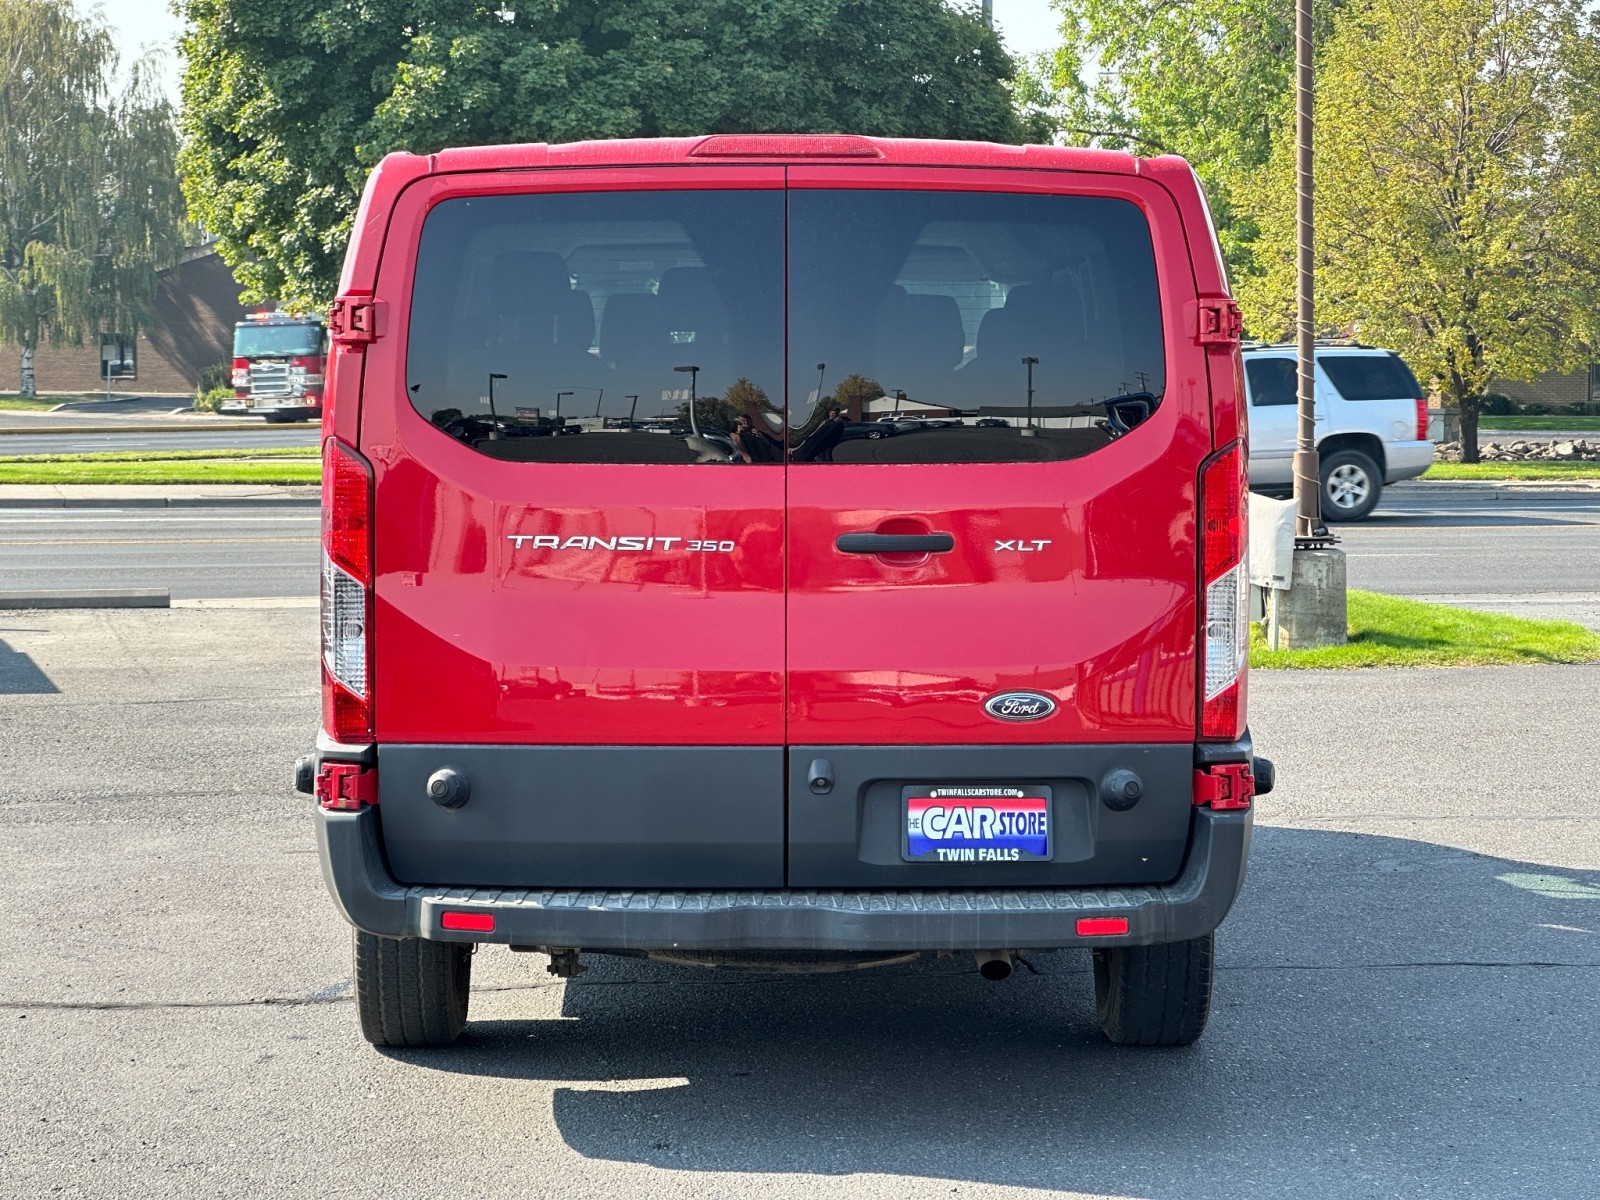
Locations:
(475, 922)
(1101, 926)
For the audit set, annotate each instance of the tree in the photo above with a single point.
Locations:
(1208, 79)
(89, 202)
(287, 105)
(718, 412)
(1455, 176)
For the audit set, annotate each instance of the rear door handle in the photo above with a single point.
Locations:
(896, 543)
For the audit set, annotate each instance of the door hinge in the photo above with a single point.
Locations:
(1220, 323)
(345, 787)
(353, 319)
(1224, 786)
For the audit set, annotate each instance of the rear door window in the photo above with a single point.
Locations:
(617, 327)
(1273, 381)
(933, 327)
(1371, 376)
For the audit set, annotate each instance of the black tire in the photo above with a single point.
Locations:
(272, 418)
(410, 991)
(1351, 485)
(874, 434)
(1154, 995)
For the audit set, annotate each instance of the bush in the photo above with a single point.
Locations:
(213, 399)
(1497, 404)
(218, 375)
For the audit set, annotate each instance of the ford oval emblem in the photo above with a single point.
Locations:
(1019, 706)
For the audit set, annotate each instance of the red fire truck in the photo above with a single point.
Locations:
(278, 364)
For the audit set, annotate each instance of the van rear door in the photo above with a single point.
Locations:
(999, 601)
(579, 597)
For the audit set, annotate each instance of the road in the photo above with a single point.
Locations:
(1525, 552)
(1405, 1006)
(193, 552)
(182, 439)
(1530, 552)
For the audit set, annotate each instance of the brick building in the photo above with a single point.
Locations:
(196, 305)
(1570, 389)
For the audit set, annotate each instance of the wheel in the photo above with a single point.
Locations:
(1154, 995)
(874, 434)
(1351, 485)
(410, 991)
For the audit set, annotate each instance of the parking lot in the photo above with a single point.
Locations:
(1406, 989)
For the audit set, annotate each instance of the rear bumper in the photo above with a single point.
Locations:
(1406, 460)
(1194, 904)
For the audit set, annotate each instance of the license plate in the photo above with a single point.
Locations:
(976, 823)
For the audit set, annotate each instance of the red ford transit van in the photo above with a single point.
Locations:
(644, 632)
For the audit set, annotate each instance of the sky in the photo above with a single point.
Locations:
(1028, 27)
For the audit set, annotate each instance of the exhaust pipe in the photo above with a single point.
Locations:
(993, 965)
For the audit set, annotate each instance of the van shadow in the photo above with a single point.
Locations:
(21, 676)
(1391, 1017)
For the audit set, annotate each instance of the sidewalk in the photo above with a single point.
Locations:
(155, 495)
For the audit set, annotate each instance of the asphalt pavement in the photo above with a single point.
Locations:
(1525, 551)
(224, 551)
(1405, 1005)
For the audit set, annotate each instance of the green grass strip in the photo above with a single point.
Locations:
(1388, 631)
(1533, 424)
(162, 472)
(28, 404)
(134, 456)
(1514, 470)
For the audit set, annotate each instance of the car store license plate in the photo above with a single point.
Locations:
(974, 823)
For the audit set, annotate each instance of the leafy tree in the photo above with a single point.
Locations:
(288, 104)
(1209, 79)
(718, 412)
(1456, 160)
(854, 391)
(89, 203)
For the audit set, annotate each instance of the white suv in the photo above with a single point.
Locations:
(1372, 423)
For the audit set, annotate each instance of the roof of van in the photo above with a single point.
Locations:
(781, 148)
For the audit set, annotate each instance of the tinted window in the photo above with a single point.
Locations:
(576, 328)
(284, 341)
(1273, 381)
(930, 317)
(1371, 376)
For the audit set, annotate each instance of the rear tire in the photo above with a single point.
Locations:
(411, 991)
(1154, 995)
(1351, 485)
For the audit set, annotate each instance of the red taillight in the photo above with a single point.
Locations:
(475, 922)
(1422, 419)
(347, 509)
(241, 375)
(1101, 926)
(1225, 594)
(1223, 508)
(346, 594)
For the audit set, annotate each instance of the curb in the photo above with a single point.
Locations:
(164, 502)
(89, 598)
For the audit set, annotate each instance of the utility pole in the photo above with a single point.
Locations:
(1314, 610)
(1307, 467)
(693, 372)
(1030, 362)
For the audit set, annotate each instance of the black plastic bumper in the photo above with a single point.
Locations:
(947, 919)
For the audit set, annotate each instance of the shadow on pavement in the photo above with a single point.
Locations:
(21, 676)
(1392, 1017)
